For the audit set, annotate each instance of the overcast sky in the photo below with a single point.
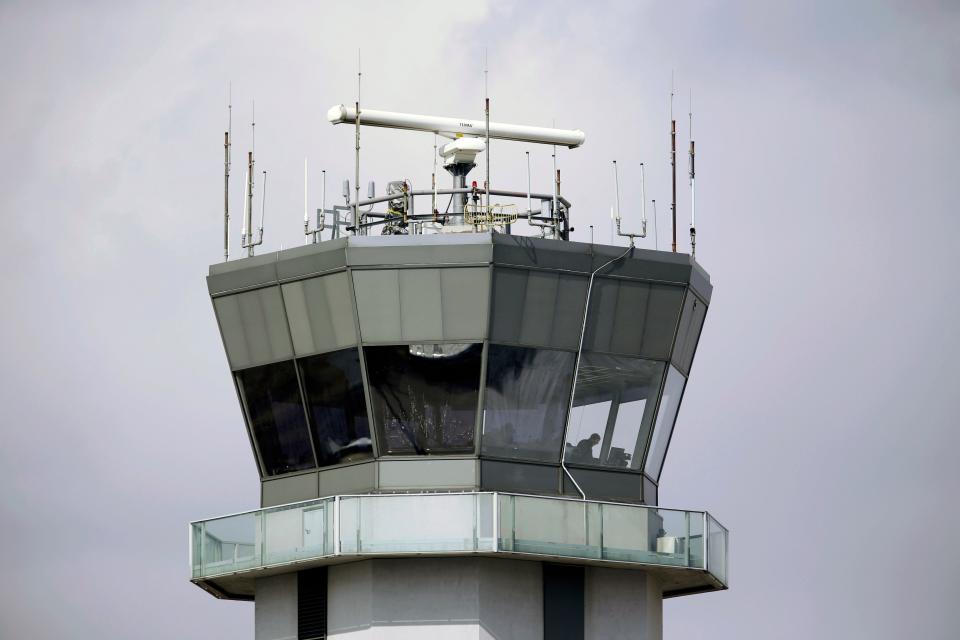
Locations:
(820, 424)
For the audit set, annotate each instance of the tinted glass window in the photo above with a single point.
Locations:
(688, 333)
(424, 396)
(525, 402)
(275, 410)
(335, 402)
(612, 410)
(633, 318)
(666, 416)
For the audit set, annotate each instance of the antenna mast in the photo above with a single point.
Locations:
(226, 175)
(486, 110)
(673, 166)
(356, 177)
(693, 190)
(306, 211)
(433, 179)
(620, 232)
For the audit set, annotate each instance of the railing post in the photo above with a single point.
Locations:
(203, 545)
(496, 521)
(706, 562)
(600, 511)
(336, 526)
(262, 516)
(686, 543)
(476, 509)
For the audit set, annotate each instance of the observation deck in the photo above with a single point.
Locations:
(685, 550)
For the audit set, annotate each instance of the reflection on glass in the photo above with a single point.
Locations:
(335, 402)
(275, 410)
(525, 402)
(424, 397)
(612, 410)
(666, 416)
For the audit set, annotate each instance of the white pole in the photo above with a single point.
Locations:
(323, 203)
(246, 203)
(616, 180)
(306, 213)
(529, 197)
(263, 203)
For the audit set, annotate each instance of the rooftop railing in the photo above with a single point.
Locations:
(341, 527)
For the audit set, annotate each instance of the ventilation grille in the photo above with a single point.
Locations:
(312, 604)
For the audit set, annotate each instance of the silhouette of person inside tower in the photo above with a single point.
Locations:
(583, 452)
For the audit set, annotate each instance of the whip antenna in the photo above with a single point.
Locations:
(356, 176)
(306, 213)
(486, 111)
(693, 189)
(673, 166)
(226, 175)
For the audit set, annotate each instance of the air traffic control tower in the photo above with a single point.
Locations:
(459, 432)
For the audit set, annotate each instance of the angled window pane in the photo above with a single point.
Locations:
(612, 410)
(666, 416)
(425, 396)
(525, 402)
(688, 333)
(275, 410)
(633, 318)
(541, 308)
(338, 411)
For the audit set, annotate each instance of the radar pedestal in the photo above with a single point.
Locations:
(458, 436)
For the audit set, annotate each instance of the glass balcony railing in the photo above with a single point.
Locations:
(458, 524)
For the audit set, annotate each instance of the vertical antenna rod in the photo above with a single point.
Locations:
(616, 182)
(263, 206)
(656, 238)
(673, 166)
(643, 201)
(356, 176)
(226, 175)
(529, 197)
(306, 213)
(486, 111)
(248, 217)
(693, 189)
(433, 179)
(322, 213)
(556, 190)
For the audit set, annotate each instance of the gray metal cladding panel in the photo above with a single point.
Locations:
(700, 282)
(284, 490)
(537, 308)
(688, 332)
(320, 311)
(519, 477)
(633, 318)
(242, 274)
(649, 491)
(424, 254)
(536, 252)
(421, 312)
(644, 264)
(357, 478)
(378, 304)
(427, 474)
(607, 485)
(447, 303)
(254, 327)
(312, 259)
(466, 301)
